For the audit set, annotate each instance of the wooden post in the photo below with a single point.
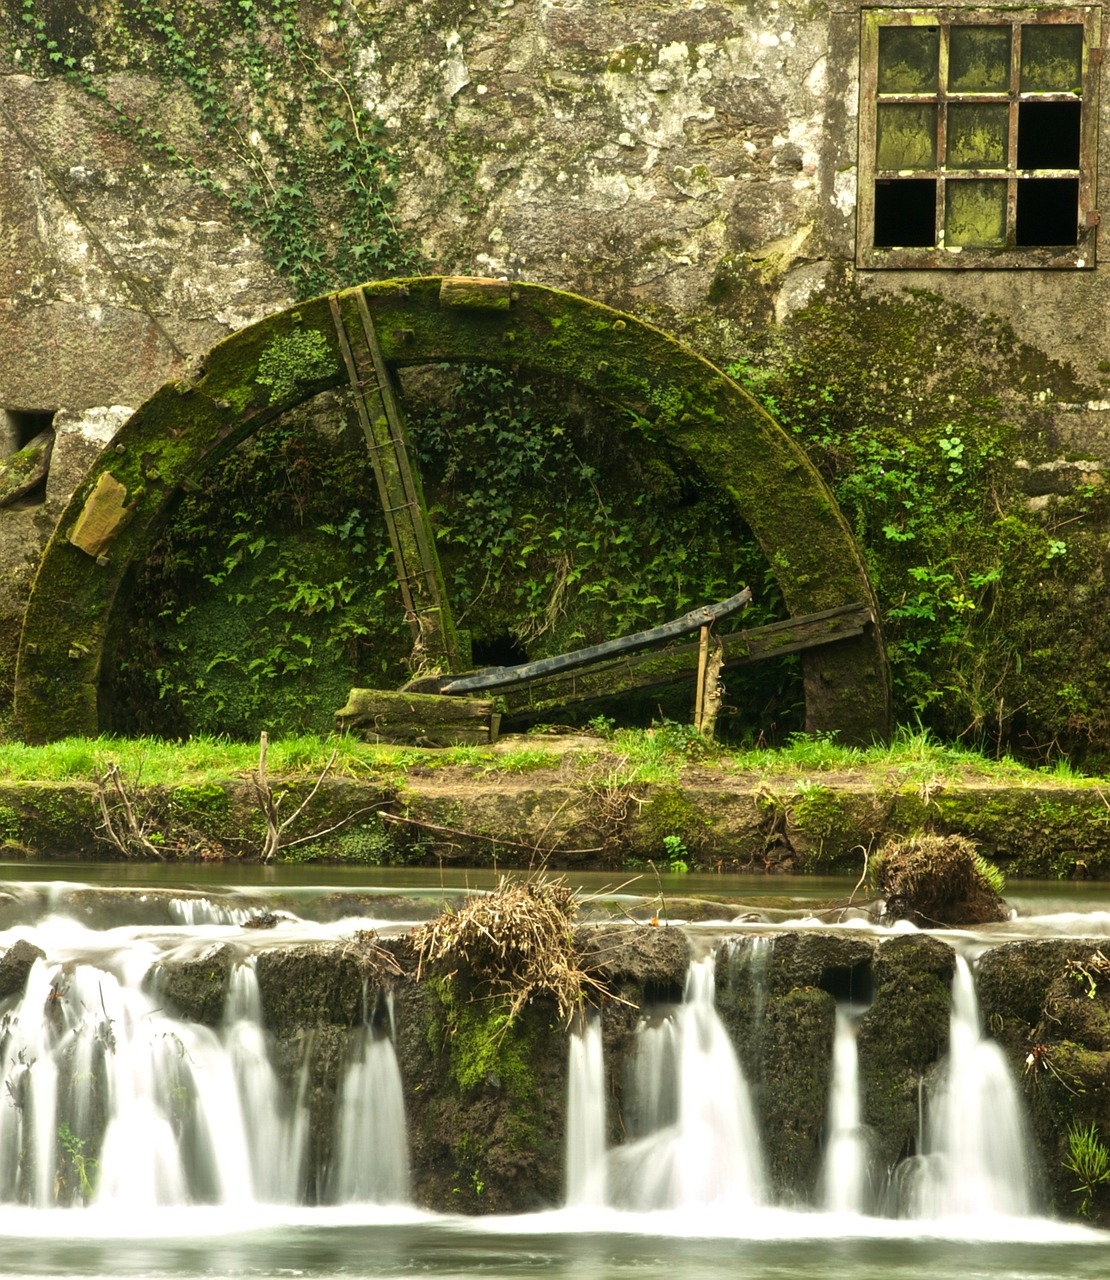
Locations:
(699, 690)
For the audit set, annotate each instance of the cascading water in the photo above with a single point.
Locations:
(976, 1149)
(110, 1100)
(845, 1177)
(586, 1121)
(370, 1139)
(696, 1142)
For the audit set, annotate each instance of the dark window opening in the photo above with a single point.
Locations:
(21, 426)
(854, 984)
(1047, 211)
(499, 651)
(1048, 135)
(905, 213)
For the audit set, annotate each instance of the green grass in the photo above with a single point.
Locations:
(657, 755)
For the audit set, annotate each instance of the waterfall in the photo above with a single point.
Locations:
(845, 1177)
(108, 1099)
(697, 1143)
(370, 1137)
(586, 1121)
(976, 1146)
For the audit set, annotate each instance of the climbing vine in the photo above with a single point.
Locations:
(266, 114)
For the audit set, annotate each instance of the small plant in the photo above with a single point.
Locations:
(1089, 1159)
(1090, 972)
(677, 853)
(83, 1167)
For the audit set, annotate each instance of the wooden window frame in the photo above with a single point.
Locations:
(1080, 255)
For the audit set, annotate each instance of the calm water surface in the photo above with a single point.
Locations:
(327, 1244)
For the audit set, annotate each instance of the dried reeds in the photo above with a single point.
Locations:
(515, 942)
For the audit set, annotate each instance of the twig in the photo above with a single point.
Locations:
(270, 804)
(471, 835)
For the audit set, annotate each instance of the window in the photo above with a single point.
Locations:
(977, 138)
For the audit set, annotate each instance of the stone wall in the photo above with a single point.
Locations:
(692, 162)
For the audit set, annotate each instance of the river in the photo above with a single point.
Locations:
(752, 1242)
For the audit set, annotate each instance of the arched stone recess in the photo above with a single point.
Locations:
(172, 440)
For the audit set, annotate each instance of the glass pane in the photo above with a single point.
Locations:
(1051, 59)
(979, 60)
(978, 135)
(975, 214)
(907, 136)
(908, 59)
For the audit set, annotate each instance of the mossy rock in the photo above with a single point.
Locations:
(485, 1099)
(902, 1037)
(645, 961)
(196, 988)
(317, 984)
(15, 964)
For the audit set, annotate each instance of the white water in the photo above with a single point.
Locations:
(976, 1157)
(695, 1141)
(371, 1142)
(198, 1174)
(846, 1175)
(105, 1090)
(587, 1174)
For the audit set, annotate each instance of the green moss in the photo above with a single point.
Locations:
(670, 811)
(486, 1048)
(293, 362)
(827, 818)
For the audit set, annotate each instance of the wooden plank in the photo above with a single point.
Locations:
(476, 293)
(419, 575)
(658, 668)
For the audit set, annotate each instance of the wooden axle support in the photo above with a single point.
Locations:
(444, 719)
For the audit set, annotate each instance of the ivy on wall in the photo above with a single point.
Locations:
(282, 134)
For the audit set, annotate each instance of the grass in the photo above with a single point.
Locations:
(654, 756)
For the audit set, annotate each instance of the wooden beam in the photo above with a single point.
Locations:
(423, 593)
(658, 668)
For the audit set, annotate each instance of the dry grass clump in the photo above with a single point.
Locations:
(937, 880)
(515, 941)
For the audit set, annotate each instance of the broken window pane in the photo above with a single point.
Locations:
(907, 136)
(1047, 211)
(979, 59)
(975, 214)
(978, 135)
(908, 59)
(906, 213)
(1051, 58)
(1048, 135)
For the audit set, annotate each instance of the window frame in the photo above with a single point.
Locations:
(1082, 254)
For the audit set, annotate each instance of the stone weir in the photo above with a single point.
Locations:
(249, 1061)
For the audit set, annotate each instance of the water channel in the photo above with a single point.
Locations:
(668, 1203)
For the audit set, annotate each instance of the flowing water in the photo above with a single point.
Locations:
(203, 1164)
(846, 1176)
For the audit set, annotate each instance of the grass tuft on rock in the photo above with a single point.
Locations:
(937, 880)
(513, 943)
